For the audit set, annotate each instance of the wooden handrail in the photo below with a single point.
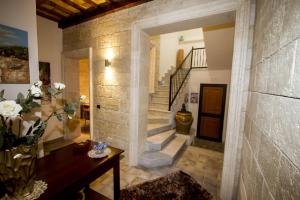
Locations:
(174, 85)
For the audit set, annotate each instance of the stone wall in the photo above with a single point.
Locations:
(113, 31)
(271, 144)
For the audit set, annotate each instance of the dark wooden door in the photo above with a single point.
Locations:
(211, 111)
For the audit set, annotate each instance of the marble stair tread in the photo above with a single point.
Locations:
(174, 147)
(161, 113)
(160, 96)
(155, 119)
(160, 105)
(164, 157)
(159, 110)
(161, 138)
(153, 129)
(154, 159)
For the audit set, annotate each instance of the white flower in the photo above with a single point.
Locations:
(38, 83)
(10, 109)
(82, 97)
(36, 91)
(59, 86)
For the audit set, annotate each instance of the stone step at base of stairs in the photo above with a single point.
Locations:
(164, 157)
(160, 140)
(153, 129)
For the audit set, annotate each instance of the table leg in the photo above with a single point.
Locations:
(116, 171)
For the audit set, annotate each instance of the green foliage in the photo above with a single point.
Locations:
(2, 95)
(27, 103)
(8, 139)
(70, 109)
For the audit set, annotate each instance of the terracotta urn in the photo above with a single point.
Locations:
(18, 169)
(184, 120)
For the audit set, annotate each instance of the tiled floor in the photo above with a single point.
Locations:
(206, 144)
(202, 164)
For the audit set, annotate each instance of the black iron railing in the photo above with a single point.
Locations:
(196, 58)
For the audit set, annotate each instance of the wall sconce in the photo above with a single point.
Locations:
(107, 63)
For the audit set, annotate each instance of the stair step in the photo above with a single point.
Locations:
(174, 147)
(159, 99)
(163, 88)
(153, 129)
(155, 95)
(154, 159)
(161, 106)
(164, 157)
(153, 119)
(159, 113)
(158, 141)
(162, 92)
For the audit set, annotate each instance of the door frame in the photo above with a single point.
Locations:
(224, 86)
(242, 53)
(84, 53)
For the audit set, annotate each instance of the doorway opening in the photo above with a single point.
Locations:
(84, 98)
(176, 21)
(77, 76)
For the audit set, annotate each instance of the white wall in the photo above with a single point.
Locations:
(169, 45)
(50, 48)
(21, 15)
(219, 44)
(198, 76)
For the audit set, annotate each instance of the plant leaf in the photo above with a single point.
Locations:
(1, 140)
(35, 104)
(29, 130)
(2, 95)
(37, 123)
(60, 117)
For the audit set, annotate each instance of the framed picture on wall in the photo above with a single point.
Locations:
(14, 59)
(194, 98)
(44, 70)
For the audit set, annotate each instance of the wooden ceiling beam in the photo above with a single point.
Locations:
(38, 3)
(52, 11)
(91, 3)
(47, 16)
(58, 7)
(99, 11)
(74, 5)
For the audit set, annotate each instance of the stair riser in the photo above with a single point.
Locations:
(159, 106)
(158, 130)
(160, 114)
(162, 93)
(155, 163)
(163, 87)
(160, 100)
(158, 121)
(157, 147)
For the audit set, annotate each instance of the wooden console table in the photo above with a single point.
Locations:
(67, 172)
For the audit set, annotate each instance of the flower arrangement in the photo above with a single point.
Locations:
(14, 112)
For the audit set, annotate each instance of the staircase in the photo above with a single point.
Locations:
(163, 145)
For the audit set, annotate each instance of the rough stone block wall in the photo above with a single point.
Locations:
(271, 144)
(111, 122)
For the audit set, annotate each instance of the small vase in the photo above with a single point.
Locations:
(18, 169)
(184, 120)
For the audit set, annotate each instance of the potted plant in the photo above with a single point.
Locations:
(20, 130)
